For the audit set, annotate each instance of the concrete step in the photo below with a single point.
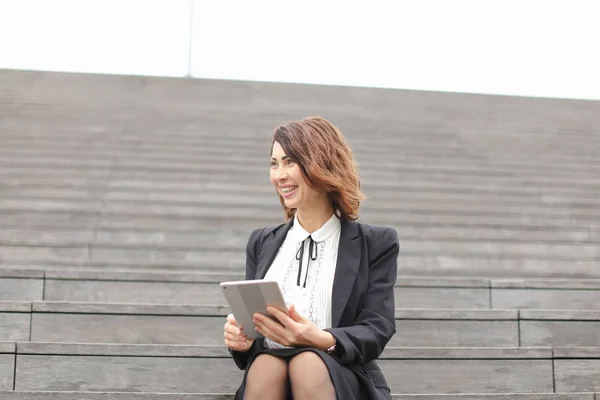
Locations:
(149, 179)
(414, 240)
(187, 324)
(432, 265)
(218, 260)
(81, 188)
(171, 287)
(464, 262)
(163, 119)
(230, 146)
(470, 111)
(272, 214)
(407, 226)
(262, 134)
(391, 135)
(202, 369)
(19, 153)
(229, 114)
(413, 154)
(192, 243)
(25, 395)
(370, 170)
(203, 324)
(447, 265)
(18, 234)
(29, 212)
(208, 136)
(202, 288)
(101, 88)
(103, 148)
(49, 219)
(156, 153)
(438, 205)
(375, 176)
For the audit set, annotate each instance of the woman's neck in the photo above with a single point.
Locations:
(313, 219)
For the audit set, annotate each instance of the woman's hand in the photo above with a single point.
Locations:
(292, 330)
(234, 337)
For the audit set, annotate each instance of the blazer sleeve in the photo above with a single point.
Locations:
(375, 323)
(241, 358)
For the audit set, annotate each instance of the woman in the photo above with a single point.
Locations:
(336, 275)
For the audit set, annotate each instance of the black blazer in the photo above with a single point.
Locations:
(363, 292)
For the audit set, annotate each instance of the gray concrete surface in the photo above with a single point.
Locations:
(127, 190)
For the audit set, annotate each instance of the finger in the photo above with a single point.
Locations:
(280, 315)
(231, 319)
(236, 345)
(234, 331)
(265, 321)
(295, 315)
(240, 345)
(273, 335)
(271, 329)
(234, 338)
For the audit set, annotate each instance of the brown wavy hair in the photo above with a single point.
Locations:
(326, 162)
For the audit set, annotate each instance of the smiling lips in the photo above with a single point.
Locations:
(288, 190)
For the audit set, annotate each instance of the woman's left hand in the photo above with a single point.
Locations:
(292, 330)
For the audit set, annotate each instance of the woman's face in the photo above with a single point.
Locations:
(287, 178)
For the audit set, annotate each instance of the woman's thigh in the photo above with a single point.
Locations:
(324, 369)
(309, 377)
(267, 378)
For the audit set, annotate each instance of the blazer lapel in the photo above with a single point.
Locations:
(348, 262)
(269, 249)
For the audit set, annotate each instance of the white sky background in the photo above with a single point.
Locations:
(523, 47)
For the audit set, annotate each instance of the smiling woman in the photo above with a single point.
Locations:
(315, 149)
(337, 277)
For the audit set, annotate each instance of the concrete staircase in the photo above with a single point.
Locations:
(124, 201)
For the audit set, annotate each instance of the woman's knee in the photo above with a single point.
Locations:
(308, 371)
(267, 370)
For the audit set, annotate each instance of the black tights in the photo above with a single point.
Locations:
(270, 378)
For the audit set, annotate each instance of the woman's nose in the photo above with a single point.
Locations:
(281, 176)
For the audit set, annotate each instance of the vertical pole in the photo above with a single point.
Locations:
(190, 41)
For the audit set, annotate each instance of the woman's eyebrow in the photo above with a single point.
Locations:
(282, 158)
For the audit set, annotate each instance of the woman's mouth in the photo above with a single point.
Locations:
(288, 191)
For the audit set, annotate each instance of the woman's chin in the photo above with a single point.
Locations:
(290, 204)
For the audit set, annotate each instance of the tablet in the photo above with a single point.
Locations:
(248, 297)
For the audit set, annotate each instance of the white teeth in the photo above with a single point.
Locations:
(288, 189)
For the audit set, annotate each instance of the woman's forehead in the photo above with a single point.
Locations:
(277, 151)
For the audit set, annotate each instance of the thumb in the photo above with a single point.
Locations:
(231, 319)
(295, 315)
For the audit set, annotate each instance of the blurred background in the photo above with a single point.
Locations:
(134, 153)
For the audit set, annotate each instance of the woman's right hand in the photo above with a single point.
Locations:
(234, 337)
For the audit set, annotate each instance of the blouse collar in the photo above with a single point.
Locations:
(299, 233)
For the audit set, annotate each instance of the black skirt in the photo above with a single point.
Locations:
(349, 383)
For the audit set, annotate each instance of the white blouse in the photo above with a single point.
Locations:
(308, 286)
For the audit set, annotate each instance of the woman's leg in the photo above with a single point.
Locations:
(309, 378)
(267, 379)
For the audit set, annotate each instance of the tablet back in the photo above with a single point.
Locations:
(248, 297)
